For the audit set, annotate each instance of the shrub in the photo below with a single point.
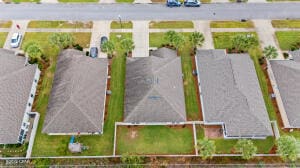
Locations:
(285, 55)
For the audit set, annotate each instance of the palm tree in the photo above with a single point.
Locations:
(270, 52)
(196, 39)
(109, 48)
(62, 40)
(178, 41)
(127, 44)
(170, 36)
(206, 148)
(244, 42)
(34, 51)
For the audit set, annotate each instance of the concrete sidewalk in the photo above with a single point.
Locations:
(204, 27)
(141, 38)
(23, 26)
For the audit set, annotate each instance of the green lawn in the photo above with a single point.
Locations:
(192, 108)
(155, 140)
(13, 150)
(231, 24)
(125, 1)
(3, 36)
(117, 25)
(77, 1)
(286, 23)
(59, 24)
(5, 24)
(205, 1)
(222, 40)
(286, 39)
(171, 24)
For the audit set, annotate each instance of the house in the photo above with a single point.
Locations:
(285, 80)
(230, 94)
(154, 89)
(18, 83)
(77, 100)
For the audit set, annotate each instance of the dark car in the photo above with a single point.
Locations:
(192, 3)
(103, 40)
(94, 52)
(173, 3)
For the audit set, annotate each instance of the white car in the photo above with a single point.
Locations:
(15, 40)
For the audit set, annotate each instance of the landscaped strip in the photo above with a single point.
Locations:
(3, 36)
(60, 24)
(5, 24)
(231, 24)
(287, 39)
(171, 24)
(286, 23)
(122, 25)
(155, 139)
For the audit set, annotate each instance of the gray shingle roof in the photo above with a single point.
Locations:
(287, 76)
(16, 81)
(154, 88)
(231, 93)
(78, 94)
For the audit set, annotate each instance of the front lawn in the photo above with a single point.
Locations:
(231, 24)
(171, 24)
(60, 24)
(125, 1)
(77, 1)
(3, 36)
(5, 24)
(287, 39)
(155, 140)
(286, 23)
(117, 25)
(222, 40)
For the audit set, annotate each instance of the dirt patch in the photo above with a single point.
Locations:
(133, 134)
(213, 131)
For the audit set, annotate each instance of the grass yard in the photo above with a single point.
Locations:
(286, 23)
(222, 40)
(286, 39)
(5, 24)
(171, 24)
(60, 24)
(191, 97)
(117, 25)
(3, 36)
(205, 1)
(155, 140)
(77, 1)
(125, 1)
(231, 24)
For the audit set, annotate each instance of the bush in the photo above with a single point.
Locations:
(78, 47)
(261, 61)
(87, 53)
(285, 55)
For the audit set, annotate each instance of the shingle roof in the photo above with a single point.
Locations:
(78, 95)
(287, 77)
(231, 93)
(16, 81)
(154, 88)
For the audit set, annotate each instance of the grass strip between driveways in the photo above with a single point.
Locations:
(117, 25)
(171, 24)
(5, 24)
(60, 24)
(3, 36)
(231, 24)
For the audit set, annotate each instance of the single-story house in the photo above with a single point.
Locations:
(285, 80)
(154, 89)
(18, 83)
(77, 100)
(230, 94)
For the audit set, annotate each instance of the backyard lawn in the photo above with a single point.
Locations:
(5, 24)
(117, 25)
(191, 97)
(155, 140)
(60, 24)
(57, 145)
(171, 24)
(286, 23)
(3, 36)
(287, 39)
(231, 24)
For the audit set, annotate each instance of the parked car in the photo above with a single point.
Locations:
(103, 40)
(94, 52)
(192, 3)
(16, 40)
(173, 3)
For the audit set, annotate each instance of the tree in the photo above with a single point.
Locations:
(196, 39)
(246, 147)
(206, 148)
(244, 42)
(62, 40)
(178, 41)
(131, 161)
(34, 52)
(108, 47)
(170, 36)
(270, 52)
(127, 44)
(287, 147)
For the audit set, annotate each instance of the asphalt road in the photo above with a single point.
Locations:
(149, 11)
